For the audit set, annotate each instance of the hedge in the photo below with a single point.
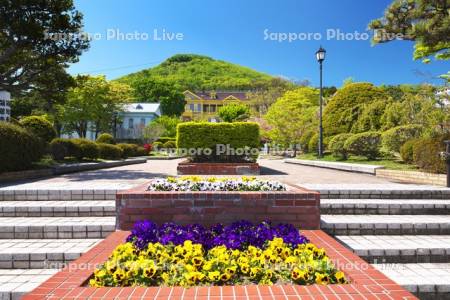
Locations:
(157, 145)
(365, 144)
(105, 138)
(18, 148)
(202, 135)
(108, 151)
(337, 145)
(426, 154)
(40, 127)
(165, 139)
(129, 150)
(61, 148)
(393, 139)
(170, 145)
(86, 149)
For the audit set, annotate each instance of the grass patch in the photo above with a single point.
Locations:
(390, 164)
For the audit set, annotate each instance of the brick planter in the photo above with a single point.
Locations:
(365, 281)
(297, 206)
(187, 168)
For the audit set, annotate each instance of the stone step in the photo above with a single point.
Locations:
(379, 191)
(42, 253)
(17, 282)
(385, 206)
(55, 208)
(426, 280)
(385, 224)
(56, 194)
(56, 227)
(399, 249)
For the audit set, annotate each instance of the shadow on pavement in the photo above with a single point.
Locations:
(270, 171)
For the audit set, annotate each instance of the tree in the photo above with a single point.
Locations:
(262, 99)
(346, 106)
(153, 131)
(169, 125)
(292, 115)
(427, 22)
(28, 50)
(93, 102)
(170, 97)
(234, 112)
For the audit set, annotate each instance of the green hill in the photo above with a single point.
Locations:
(197, 72)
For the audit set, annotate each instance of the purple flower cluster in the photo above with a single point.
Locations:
(237, 235)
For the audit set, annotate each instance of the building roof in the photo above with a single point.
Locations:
(218, 95)
(143, 108)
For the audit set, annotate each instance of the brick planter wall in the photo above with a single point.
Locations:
(187, 168)
(300, 207)
(365, 281)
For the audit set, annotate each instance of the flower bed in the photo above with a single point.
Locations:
(196, 183)
(237, 254)
(207, 168)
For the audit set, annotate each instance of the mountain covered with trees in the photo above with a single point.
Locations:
(198, 72)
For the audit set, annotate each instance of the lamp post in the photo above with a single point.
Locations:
(320, 55)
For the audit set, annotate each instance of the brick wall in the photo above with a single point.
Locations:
(296, 206)
(413, 177)
(186, 168)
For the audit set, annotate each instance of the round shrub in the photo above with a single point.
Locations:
(169, 145)
(60, 148)
(336, 145)
(141, 151)
(157, 145)
(40, 127)
(129, 150)
(108, 151)
(393, 139)
(365, 144)
(105, 138)
(407, 151)
(426, 154)
(18, 148)
(87, 149)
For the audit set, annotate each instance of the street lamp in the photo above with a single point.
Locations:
(320, 55)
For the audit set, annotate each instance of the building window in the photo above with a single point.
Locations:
(212, 108)
(205, 108)
(142, 122)
(199, 107)
(130, 123)
(191, 107)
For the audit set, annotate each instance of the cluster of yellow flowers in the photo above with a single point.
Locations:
(190, 265)
(194, 178)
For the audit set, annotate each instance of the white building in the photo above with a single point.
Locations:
(134, 118)
(5, 108)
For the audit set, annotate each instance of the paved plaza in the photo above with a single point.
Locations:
(403, 229)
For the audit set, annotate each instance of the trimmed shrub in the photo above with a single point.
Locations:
(105, 138)
(40, 127)
(237, 135)
(129, 150)
(336, 145)
(148, 147)
(426, 154)
(18, 148)
(165, 139)
(60, 148)
(393, 139)
(407, 151)
(108, 151)
(157, 145)
(365, 144)
(170, 145)
(141, 151)
(86, 149)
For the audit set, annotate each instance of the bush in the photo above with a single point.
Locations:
(157, 145)
(337, 145)
(426, 154)
(148, 147)
(18, 148)
(304, 141)
(393, 139)
(166, 139)
(60, 148)
(170, 145)
(366, 144)
(129, 150)
(407, 151)
(85, 148)
(237, 135)
(141, 151)
(108, 151)
(40, 127)
(313, 144)
(106, 138)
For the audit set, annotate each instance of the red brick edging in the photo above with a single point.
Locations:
(366, 282)
(297, 206)
(189, 168)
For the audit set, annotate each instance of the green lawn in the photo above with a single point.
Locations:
(387, 163)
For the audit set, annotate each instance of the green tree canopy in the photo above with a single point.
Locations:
(168, 123)
(427, 22)
(346, 106)
(27, 53)
(234, 112)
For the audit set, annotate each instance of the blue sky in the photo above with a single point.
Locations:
(234, 31)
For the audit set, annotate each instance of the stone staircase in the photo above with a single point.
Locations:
(43, 230)
(404, 231)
